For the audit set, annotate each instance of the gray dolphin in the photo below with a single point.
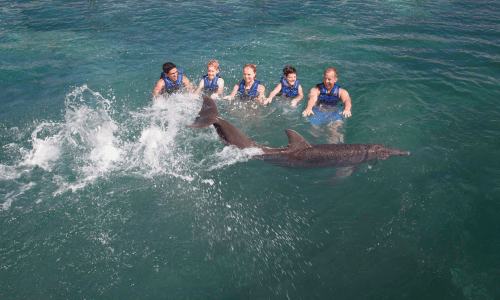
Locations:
(299, 153)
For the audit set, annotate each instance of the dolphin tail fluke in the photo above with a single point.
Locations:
(207, 115)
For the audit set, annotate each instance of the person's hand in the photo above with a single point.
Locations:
(227, 98)
(294, 103)
(307, 112)
(214, 96)
(347, 113)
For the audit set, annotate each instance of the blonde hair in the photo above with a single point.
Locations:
(251, 66)
(213, 63)
(332, 70)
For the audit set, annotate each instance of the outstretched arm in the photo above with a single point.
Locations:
(220, 83)
(158, 87)
(233, 93)
(299, 97)
(262, 93)
(187, 83)
(344, 96)
(200, 86)
(313, 98)
(273, 94)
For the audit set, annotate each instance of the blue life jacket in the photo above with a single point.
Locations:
(171, 87)
(328, 98)
(211, 86)
(290, 91)
(250, 94)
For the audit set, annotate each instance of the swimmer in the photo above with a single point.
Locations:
(328, 93)
(171, 80)
(249, 88)
(288, 86)
(211, 83)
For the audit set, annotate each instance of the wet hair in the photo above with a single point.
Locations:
(332, 70)
(251, 66)
(213, 63)
(289, 70)
(167, 67)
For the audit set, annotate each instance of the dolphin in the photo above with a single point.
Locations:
(299, 153)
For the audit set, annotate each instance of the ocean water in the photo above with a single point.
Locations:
(105, 194)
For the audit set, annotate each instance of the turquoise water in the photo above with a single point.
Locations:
(105, 194)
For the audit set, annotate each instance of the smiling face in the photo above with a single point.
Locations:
(211, 72)
(249, 75)
(291, 78)
(173, 74)
(330, 79)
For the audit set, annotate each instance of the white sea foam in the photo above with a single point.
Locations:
(10, 197)
(45, 151)
(231, 155)
(8, 172)
(94, 143)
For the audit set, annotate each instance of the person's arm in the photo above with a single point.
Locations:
(159, 87)
(262, 93)
(187, 83)
(200, 86)
(273, 94)
(220, 83)
(233, 93)
(344, 96)
(313, 98)
(299, 96)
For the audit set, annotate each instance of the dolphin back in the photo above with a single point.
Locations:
(233, 136)
(299, 152)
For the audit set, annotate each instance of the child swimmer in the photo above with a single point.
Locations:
(288, 86)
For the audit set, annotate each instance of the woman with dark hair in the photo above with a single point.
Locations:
(289, 86)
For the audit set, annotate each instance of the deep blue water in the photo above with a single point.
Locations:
(105, 194)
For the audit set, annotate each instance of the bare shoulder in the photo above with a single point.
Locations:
(343, 92)
(158, 87)
(315, 91)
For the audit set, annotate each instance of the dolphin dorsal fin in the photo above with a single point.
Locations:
(296, 141)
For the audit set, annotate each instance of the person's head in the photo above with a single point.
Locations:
(249, 72)
(170, 71)
(290, 74)
(330, 78)
(212, 69)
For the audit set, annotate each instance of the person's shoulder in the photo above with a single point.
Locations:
(343, 92)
